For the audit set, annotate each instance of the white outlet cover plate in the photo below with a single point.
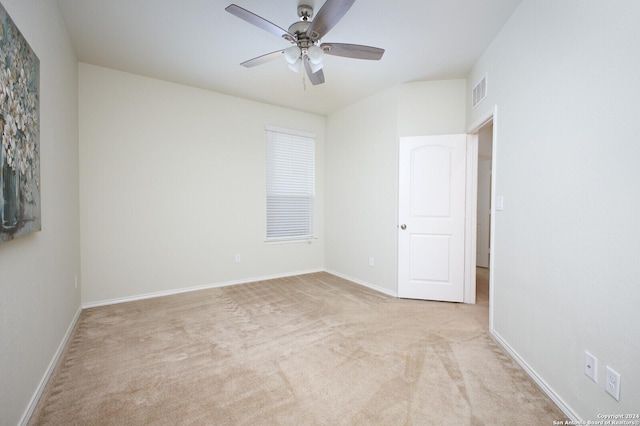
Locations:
(612, 383)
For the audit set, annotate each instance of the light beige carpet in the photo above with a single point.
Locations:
(307, 350)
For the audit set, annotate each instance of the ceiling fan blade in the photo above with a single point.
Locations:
(356, 51)
(327, 17)
(258, 21)
(315, 78)
(262, 59)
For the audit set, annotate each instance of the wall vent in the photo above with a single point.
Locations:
(479, 92)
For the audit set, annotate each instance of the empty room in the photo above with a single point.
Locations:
(319, 212)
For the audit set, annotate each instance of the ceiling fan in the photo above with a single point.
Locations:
(306, 50)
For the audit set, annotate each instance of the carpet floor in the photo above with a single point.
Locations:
(308, 350)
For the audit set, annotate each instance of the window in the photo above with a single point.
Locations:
(290, 184)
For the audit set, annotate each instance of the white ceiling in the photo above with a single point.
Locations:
(197, 43)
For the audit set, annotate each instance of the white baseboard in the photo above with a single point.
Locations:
(194, 288)
(363, 283)
(47, 374)
(536, 378)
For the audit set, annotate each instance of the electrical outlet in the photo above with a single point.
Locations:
(591, 366)
(612, 383)
(237, 258)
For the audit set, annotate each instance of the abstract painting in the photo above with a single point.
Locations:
(20, 127)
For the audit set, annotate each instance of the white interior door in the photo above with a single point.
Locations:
(431, 235)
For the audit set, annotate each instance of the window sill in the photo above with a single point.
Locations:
(307, 240)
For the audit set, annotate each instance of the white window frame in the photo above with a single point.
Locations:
(290, 201)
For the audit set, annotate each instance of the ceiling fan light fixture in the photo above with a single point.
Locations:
(315, 55)
(292, 54)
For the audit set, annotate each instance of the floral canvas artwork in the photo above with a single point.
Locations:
(20, 127)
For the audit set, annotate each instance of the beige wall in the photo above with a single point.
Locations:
(361, 164)
(172, 187)
(432, 108)
(38, 298)
(564, 75)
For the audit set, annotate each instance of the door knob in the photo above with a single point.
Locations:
(403, 226)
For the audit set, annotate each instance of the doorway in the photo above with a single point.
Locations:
(433, 275)
(483, 211)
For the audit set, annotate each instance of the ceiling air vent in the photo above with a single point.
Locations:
(479, 92)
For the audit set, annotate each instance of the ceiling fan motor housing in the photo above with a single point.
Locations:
(299, 29)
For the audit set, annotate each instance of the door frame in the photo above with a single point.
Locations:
(472, 208)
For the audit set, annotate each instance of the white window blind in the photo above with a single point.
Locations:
(290, 184)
